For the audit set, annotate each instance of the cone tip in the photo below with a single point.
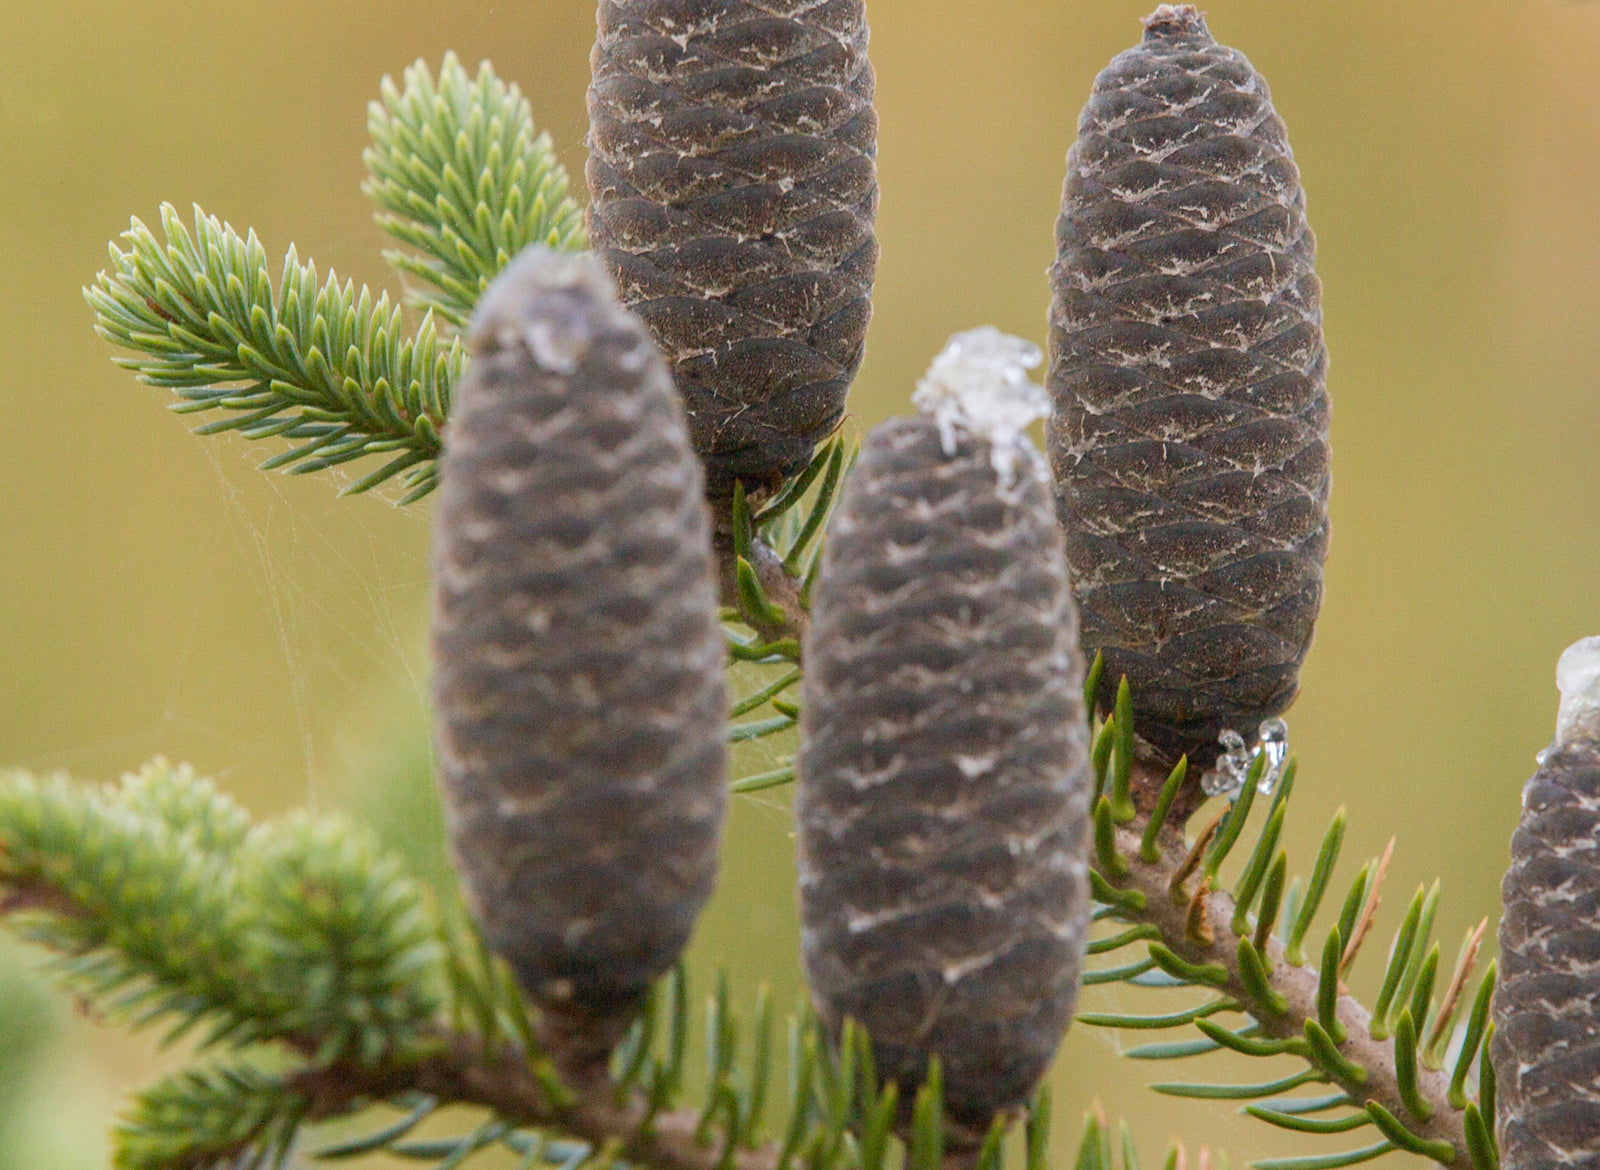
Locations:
(1578, 679)
(513, 310)
(979, 384)
(1173, 21)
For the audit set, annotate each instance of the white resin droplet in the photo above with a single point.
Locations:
(979, 382)
(1226, 778)
(1232, 768)
(1275, 743)
(1578, 679)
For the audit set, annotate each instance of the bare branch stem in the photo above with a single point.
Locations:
(459, 1072)
(777, 583)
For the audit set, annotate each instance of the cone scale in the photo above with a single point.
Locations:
(943, 779)
(1190, 436)
(1546, 1047)
(733, 187)
(577, 657)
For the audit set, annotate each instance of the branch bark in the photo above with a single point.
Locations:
(459, 1072)
(780, 586)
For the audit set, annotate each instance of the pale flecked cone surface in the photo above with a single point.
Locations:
(1190, 439)
(577, 656)
(733, 185)
(943, 778)
(1546, 1046)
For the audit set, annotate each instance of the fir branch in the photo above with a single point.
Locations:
(139, 914)
(768, 559)
(765, 598)
(236, 1117)
(459, 1072)
(767, 562)
(1208, 941)
(301, 936)
(186, 802)
(246, 1114)
(461, 177)
(1162, 888)
(1101, 1149)
(839, 1116)
(300, 932)
(339, 937)
(316, 362)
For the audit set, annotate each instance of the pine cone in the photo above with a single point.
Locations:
(943, 778)
(576, 650)
(732, 191)
(1190, 439)
(1546, 1047)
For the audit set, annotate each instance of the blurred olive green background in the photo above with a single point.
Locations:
(158, 595)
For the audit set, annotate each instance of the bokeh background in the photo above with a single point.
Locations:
(159, 595)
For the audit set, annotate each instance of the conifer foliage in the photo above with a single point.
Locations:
(985, 827)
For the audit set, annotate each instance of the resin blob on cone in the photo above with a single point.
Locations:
(732, 192)
(577, 657)
(943, 780)
(1546, 1047)
(1190, 437)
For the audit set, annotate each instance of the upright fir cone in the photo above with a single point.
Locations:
(1190, 438)
(733, 185)
(577, 656)
(1546, 1047)
(943, 770)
